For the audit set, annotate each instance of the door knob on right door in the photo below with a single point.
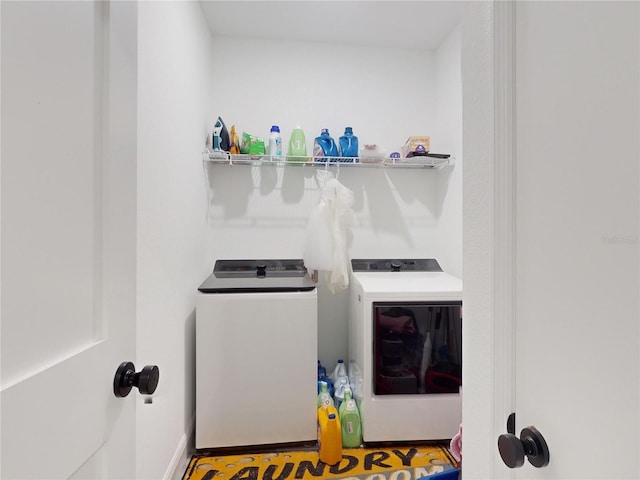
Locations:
(530, 444)
(146, 380)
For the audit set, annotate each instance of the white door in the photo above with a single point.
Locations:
(577, 150)
(68, 237)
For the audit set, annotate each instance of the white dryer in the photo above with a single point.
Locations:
(256, 354)
(405, 349)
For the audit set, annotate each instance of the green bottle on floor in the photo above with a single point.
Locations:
(324, 397)
(350, 422)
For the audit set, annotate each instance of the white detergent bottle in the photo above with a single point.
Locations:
(339, 371)
(275, 143)
(351, 371)
(338, 395)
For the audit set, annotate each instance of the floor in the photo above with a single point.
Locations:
(381, 462)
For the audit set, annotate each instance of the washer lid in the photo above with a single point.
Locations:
(250, 276)
(396, 265)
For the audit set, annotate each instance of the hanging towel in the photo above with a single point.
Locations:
(329, 234)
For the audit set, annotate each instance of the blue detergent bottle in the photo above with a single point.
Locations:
(322, 372)
(322, 377)
(348, 145)
(324, 146)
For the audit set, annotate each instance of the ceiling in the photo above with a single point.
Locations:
(398, 24)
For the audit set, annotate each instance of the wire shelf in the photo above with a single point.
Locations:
(225, 158)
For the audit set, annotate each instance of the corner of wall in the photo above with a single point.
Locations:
(173, 105)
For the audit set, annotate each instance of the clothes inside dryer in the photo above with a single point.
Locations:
(417, 348)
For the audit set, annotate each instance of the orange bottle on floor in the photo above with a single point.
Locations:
(329, 435)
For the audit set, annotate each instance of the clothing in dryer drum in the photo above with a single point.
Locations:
(417, 347)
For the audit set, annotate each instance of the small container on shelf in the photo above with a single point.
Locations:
(394, 157)
(371, 153)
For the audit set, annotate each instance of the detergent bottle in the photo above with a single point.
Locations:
(351, 426)
(338, 395)
(324, 146)
(297, 146)
(324, 397)
(347, 395)
(329, 436)
(322, 372)
(326, 380)
(322, 377)
(339, 371)
(348, 145)
(275, 143)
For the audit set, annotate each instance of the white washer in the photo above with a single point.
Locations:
(256, 354)
(394, 304)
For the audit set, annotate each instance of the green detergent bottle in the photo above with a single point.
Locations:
(297, 146)
(348, 395)
(350, 422)
(324, 397)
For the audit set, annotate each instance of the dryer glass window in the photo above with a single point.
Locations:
(417, 347)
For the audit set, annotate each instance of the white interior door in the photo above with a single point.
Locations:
(577, 107)
(68, 237)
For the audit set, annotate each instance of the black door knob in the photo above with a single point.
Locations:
(530, 444)
(146, 380)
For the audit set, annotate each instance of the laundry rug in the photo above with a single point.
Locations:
(394, 463)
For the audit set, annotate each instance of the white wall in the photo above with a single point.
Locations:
(448, 139)
(385, 95)
(478, 240)
(174, 91)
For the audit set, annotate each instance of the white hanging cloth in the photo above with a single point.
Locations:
(329, 233)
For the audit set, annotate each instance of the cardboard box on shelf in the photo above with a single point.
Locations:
(415, 143)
